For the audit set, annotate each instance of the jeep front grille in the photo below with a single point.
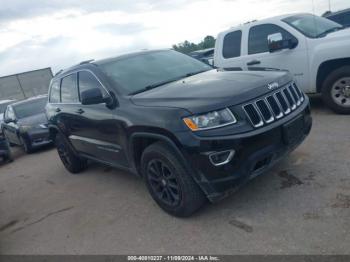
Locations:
(273, 107)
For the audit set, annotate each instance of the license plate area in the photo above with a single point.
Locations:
(293, 131)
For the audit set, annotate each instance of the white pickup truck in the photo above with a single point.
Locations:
(314, 49)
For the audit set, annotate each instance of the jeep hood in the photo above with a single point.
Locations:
(212, 90)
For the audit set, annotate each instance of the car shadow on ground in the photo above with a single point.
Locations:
(317, 104)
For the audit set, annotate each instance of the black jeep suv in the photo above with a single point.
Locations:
(193, 133)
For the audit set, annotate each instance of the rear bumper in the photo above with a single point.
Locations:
(253, 155)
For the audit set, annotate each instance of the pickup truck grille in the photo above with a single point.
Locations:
(273, 107)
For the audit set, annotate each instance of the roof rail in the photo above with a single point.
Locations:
(86, 61)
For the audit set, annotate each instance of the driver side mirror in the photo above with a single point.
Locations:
(94, 96)
(276, 42)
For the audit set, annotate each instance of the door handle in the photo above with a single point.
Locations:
(254, 62)
(80, 111)
(58, 109)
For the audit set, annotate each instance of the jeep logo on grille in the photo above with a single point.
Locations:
(272, 85)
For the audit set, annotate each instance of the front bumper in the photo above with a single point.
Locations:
(255, 153)
(38, 137)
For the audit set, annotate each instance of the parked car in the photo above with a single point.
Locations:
(3, 105)
(5, 151)
(192, 132)
(314, 49)
(25, 123)
(204, 55)
(341, 17)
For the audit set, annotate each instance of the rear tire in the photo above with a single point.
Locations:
(336, 90)
(73, 163)
(168, 181)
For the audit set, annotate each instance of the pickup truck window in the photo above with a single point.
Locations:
(232, 44)
(257, 42)
(55, 92)
(312, 26)
(69, 89)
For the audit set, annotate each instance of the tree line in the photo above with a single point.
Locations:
(188, 47)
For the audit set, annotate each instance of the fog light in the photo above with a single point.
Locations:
(221, 158)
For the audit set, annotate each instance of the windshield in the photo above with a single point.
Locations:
(137, 73)
(311, 25)
(30, 108)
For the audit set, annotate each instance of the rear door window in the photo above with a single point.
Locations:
(232, 44)
(69, 89)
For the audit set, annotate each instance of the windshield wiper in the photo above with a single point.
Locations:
(195, 73)
(331, 30)
(149, 87)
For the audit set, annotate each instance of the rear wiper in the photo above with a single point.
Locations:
(334, 29)
(149, 87)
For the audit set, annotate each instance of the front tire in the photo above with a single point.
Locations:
(336, 90)
(26, 145)
(168, 181)
(73, 163)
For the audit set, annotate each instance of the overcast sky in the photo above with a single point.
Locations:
(59, 33)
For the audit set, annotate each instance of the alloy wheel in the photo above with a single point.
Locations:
(341, 92)
(163, 182)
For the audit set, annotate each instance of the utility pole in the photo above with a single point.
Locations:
(20, 86)
(329, 5)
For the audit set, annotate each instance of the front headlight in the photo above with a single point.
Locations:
(210, 120)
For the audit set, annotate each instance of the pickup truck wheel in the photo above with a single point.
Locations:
(168, 182)
(70, 160)
(336, 90)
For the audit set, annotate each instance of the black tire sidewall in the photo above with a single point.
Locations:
(76, 164)
(191, 196)
(327, 85)
(156, 155)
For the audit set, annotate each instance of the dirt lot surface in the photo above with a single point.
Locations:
(302, 206)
